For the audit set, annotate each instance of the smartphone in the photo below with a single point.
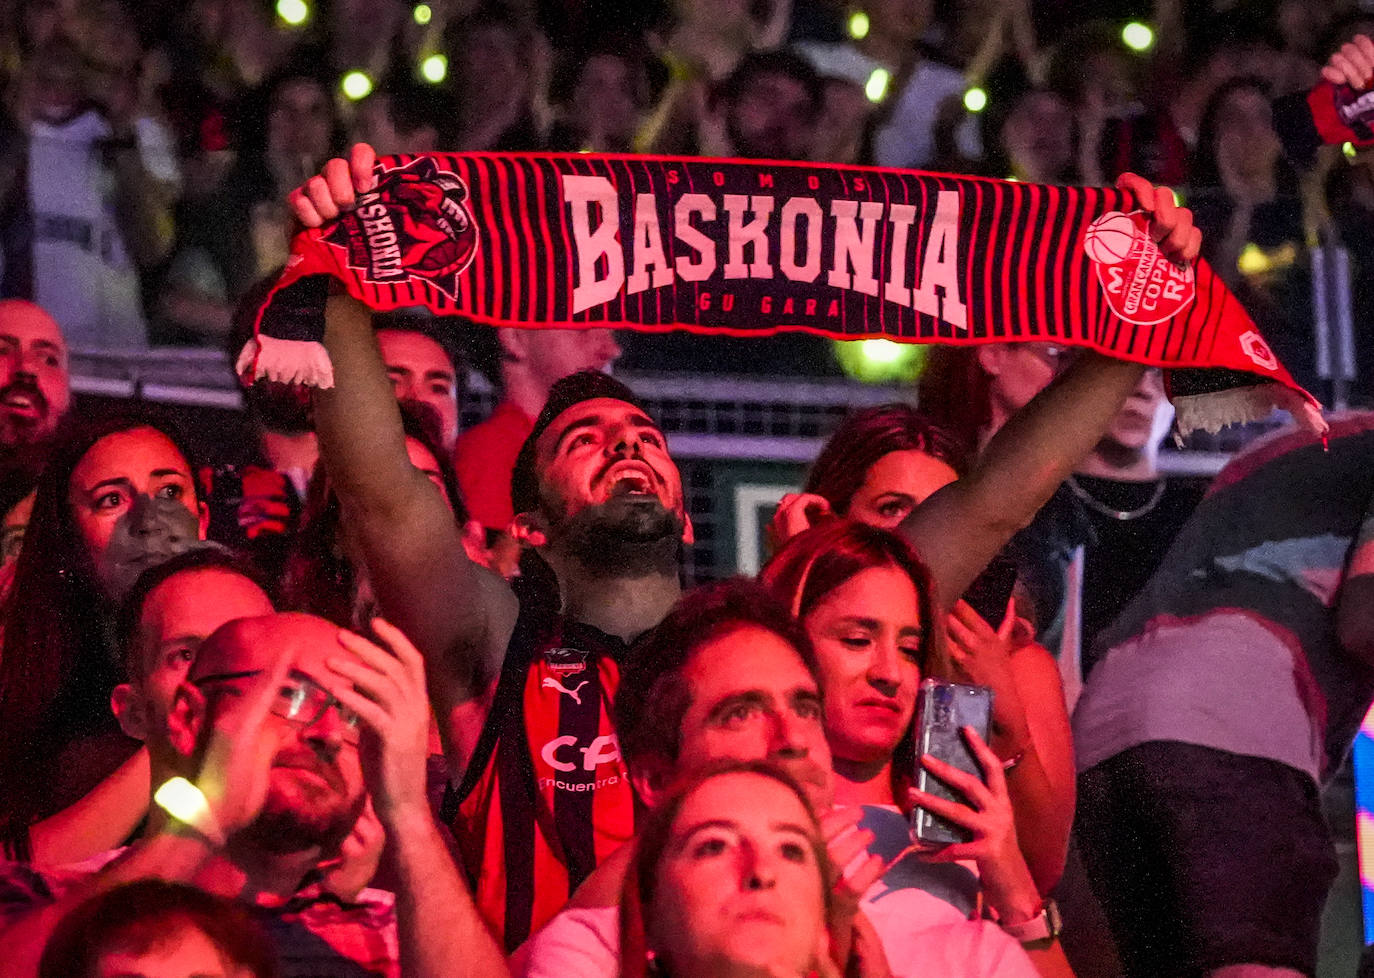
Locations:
(942, 711)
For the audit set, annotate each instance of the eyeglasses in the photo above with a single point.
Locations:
(300, 700)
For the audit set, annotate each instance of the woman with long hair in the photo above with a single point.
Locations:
(878, 466)
(867, 603)
(116, 497)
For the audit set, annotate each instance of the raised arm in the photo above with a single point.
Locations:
(459, 614)
(960, 528)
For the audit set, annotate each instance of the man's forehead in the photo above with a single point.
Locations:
(407, 348)
(26, 322)
(257, 643)
(747, 658)
(600, 410)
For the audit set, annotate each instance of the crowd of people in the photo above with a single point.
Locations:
(381, 696)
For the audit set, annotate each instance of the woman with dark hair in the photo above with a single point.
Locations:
(1247, 202)
(116, 498)
(731, 875)
(155, 927)
(867, 603)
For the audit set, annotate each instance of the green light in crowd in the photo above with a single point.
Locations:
(1349, 150)
(858, 25)
(423, 14)
(881, 351)
(876, 89)
(1138, 36)
(293, 12)
(356, 85)
(975, 99)
(434, 69)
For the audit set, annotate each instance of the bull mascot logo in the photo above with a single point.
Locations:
(414, 224)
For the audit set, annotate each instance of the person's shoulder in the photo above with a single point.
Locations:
(579, 942)
(25, 887)
(971, 949)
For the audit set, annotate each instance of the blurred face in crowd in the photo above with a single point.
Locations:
(35, 388)
(604, 102)
(1140, 424)
(43, 19)
(183, 952)
(134, 504)
(753, 699)
(490, 64)
(772, 118)
(1246, 143)
(315, 789)
(300, 123)
(867, 638)
(606, 477)
(845, 110)
(53, 84)
(546, 356)
(896, 484)
(1038, 136)
(374, 125)
(177, 616)
(421, 371)
(1018, 371)
(739, 887)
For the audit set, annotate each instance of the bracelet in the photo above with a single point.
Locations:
(186, 803)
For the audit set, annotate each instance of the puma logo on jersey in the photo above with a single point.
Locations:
(551, 683)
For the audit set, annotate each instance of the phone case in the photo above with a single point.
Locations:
(943, 710)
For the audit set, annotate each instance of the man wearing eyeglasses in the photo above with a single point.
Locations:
(285, 734)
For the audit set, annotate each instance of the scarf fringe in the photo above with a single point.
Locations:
(1240, 405)
(286, 361)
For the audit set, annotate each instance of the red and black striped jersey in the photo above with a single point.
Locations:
(546, 797)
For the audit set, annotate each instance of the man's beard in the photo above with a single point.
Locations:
(321, 821)
(22, 429)
(626, 536)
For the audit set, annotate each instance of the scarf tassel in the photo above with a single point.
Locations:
(286, 361)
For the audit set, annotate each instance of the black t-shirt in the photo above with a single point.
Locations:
(1120, 554)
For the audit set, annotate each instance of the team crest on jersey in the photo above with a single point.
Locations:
(1141, 285)
(565, 662)
(415, 223)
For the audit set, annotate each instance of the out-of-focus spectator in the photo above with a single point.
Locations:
(98, 179)
(598, 99)
(842, 129)
(767, 107)
(500, 66)
(157, 928)
(240, 233)
(1098, 77)
(403, 116)
(1246, 199)
(1038, 141)
(906, 136)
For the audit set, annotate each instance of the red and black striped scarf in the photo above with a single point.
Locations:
(754, 247)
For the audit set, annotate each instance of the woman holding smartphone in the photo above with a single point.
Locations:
(879, 465)
(867, 604)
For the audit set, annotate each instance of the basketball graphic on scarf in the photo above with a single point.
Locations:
(1108, 239)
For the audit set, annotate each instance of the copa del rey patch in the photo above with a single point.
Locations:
(1142, 286)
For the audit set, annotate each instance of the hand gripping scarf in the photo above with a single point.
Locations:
(746, 248)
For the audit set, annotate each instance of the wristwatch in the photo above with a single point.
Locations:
(1044, 926)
